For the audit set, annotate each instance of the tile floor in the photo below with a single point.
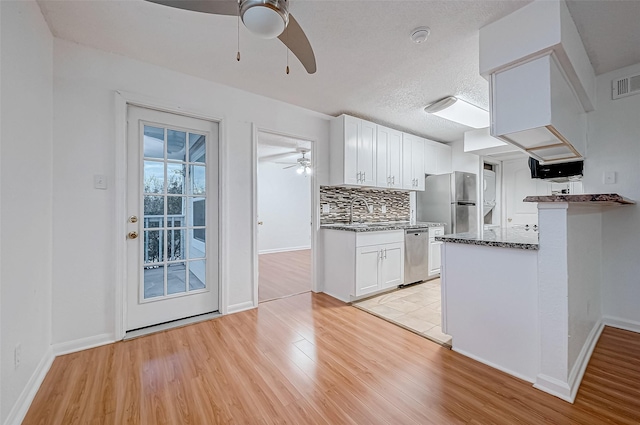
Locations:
(416, 308)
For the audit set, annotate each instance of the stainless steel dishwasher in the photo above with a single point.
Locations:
(416, 255)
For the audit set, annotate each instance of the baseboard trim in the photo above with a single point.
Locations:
(21, 406)
(236, 308)
(63, 348)
(617, 322)
(580, 366)
(554, 387)
(274, 251)
(493, 365)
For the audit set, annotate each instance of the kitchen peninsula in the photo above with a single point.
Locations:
(528, 303)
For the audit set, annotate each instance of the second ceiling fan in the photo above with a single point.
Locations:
(264, 18)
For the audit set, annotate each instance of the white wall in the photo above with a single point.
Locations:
(614, 145)
(84, 131)
(584, 257)
(26, 170)
(284, 208)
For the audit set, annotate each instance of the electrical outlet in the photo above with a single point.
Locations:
(100, 181)
(370, 209)
(326, 208)
(17, 356)
(383, 209)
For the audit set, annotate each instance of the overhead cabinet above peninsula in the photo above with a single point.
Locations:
(363, 153)
(542, 82)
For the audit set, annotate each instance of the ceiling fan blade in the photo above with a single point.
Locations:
(290, 166)
(277, 156)
(295, 39)
(216, 7)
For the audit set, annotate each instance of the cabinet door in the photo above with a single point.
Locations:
(351, 136)
(443, 159)
(434, 257)
(417, 163)
(407, 178)
(392, 265)
(394, 158)
(367, 259)
(430, 157)
(367, 153)
(382, 161)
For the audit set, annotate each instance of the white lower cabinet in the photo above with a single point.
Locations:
(435, 259)
(379, 267)
(362, 263)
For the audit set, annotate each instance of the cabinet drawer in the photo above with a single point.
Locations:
(378, 238)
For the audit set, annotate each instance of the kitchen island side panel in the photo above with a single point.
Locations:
(492, 305)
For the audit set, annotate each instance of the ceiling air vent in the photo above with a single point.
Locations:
(626, 86)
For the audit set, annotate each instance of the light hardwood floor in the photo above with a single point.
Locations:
(310, 359)
(283, 274)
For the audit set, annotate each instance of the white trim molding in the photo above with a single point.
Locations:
(568, 390)
(68, 347)
(620, 323)
(22, 404)
(580, 366)
(290, 249)
(237, 308)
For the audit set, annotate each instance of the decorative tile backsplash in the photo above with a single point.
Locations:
(339, 198)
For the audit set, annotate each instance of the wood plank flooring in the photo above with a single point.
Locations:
(283, 274)
(309, 359)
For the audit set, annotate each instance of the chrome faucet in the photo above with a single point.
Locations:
(355, 198)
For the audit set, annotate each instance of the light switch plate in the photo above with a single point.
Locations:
(609, 177)
(326, 208)
(383, 209)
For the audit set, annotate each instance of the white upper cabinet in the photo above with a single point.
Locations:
(437, 158)
(541, 82)
(389, 154)
(412, 162)
(352, 152)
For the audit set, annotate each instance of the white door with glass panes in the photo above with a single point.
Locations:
(172, 217)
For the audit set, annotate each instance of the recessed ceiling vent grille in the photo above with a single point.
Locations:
(626, 86)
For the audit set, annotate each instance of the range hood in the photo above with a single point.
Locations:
(542, 82)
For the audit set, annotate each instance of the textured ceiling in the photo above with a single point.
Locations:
(367, 65)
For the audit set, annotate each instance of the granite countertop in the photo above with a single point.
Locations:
(605, 199)
(378, 227)
(512, 237)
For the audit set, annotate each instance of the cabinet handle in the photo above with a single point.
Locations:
(385, 253)
(393, 180)
(364, 176)
(358, 178)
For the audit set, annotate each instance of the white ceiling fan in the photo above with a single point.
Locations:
(264, 18)
(303, 164)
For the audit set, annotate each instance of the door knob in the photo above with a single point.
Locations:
(260, 223)
(133, 219)
(132, 235)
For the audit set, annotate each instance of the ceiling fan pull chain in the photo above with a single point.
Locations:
(287, 30)
(238, 55)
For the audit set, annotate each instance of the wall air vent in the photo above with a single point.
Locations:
(626, 86)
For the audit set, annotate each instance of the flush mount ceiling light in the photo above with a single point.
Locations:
(420, 34)
(457, 110)
(265, 18)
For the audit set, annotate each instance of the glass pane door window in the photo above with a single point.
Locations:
(174, 199)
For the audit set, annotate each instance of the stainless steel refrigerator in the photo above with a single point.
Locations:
(449, 199)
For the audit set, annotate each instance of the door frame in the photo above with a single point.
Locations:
(122, 100)
(315, 202)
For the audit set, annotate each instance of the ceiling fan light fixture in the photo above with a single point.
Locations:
(459, 111)
(265, 18)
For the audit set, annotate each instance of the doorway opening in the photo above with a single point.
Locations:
(285, 170)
